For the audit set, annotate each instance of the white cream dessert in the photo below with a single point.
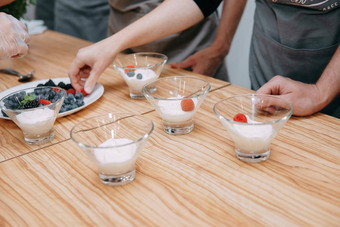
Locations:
(36, 122)
(250, 138)
(116, 160)
(137, 78)
(171, 110)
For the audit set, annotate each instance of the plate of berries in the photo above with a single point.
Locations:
(73, 102)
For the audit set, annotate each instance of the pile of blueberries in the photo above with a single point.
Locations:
(72, 100)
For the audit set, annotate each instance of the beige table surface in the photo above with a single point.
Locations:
(187, 180)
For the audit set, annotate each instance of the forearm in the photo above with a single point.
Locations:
(5, 2)
(329, 82)
(230, 18)
(170, 17)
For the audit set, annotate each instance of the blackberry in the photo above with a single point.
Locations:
(130, 73)
(31, 104)
(62, 85)
(68, 86)
(50, 83)
(139, 76)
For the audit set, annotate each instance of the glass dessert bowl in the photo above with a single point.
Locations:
(139, 69)
(177, 99)
(34, 111)
(113, 141)
(253, 121)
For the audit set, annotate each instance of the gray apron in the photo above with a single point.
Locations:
(80, 18)
(294, 40)
(177, 46)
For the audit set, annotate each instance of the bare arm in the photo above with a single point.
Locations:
(209, 59)
(329, 82)
(5, 2)
(308, 98)
(170, 17)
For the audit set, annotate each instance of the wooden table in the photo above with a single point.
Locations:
(187, 180)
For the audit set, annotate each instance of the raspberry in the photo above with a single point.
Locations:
(131, 68)
(187, 105)
(240, 118)
(71, 91)
(84, 92)
(44, 101)
(55, 89)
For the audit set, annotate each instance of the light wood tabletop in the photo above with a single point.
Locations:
(187, 180)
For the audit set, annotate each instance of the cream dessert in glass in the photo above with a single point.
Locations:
(171, 110)
(253, 121)
(112, 157)
(34, 110)
(176, 100)
(113, 141)
(139, 69)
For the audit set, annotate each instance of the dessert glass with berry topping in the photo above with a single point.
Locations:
(34, 111)
(253, 121)
(139, 69)
(176, 100)
(113, 141)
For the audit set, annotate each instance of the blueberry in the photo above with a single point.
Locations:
(80, 103)
(130, 73)
(139, 76)
(37, 92)
(68, 107)
(44, 97)
(69, 97)
(62, 109)
(51, 94)
(79, 96)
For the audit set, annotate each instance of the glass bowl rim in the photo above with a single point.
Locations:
(285, 118)
(164, 60)
(145, 136)
(33, 88)
(200, 93)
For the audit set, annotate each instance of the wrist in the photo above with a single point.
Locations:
(220, 48)
(323, 96)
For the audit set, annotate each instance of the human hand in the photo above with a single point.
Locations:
(13, 37)
(89, 64)
(205, 61)
(305, 98)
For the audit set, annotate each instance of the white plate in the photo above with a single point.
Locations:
(94, 96)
